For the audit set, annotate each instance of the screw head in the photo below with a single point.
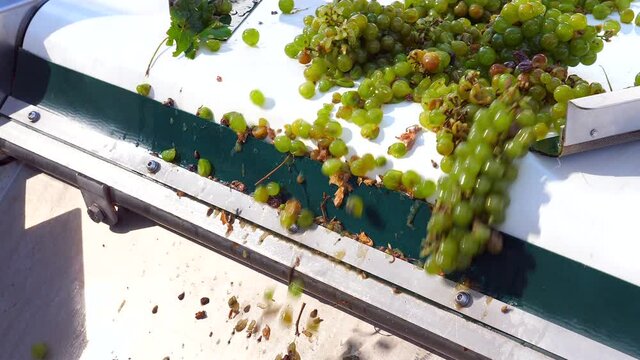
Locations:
(33, 116)
(463, 299)
(95, 213)
(593, 132)
(153, 166)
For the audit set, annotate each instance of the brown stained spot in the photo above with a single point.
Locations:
(313, 313)
(219, 78)
(247, 308)
(505, 309)
(204, 301)
(227, 219)
(201, 315)
(266, 332)
(181, 296)
(488, 300)
(209, 212)
(169, 102)
(434, 164)
(180, 193)
(155, 309)
(262, 237)
(396, 290)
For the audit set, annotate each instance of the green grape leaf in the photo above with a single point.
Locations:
(193, 21)
(216, 31)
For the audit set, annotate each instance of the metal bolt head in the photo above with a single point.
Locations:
(153, 166)
(593, 132)
(33, 116)
(95, 213)
(463, 299)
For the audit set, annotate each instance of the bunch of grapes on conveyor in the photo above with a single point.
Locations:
(492, 78)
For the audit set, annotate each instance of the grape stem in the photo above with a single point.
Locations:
(154, 55)
(607, 77)
(298, 321)
(274, 170)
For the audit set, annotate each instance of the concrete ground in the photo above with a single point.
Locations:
(88, 291)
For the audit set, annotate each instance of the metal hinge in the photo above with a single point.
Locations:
(97, 197)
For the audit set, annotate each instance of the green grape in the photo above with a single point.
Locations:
(325, 85)
(578, 21)
(370, 131)
(143, 89)
(204, 167)
(637, 80)
(39, 351)
(564, 32)
(338, 148)
(563, 93)
(350, 98)
(513, 36)
(374, 116)
(359, 117)
(282, 143)
(462, 214)
(213, 45)
(257, 97)
(369, 161)
(168, 155)
(301, 128)
(626, 16)
(432, 267)
(223, 7)
(424, 189)
(307, 89)
(291, 50)
(297, 148)
(469, 245)
(358, 167)
(333, 129)
(273, 188)
(205, 113)
(410, 179)
(261, 194)
(401, 89)
(397, 150)
(444, 146)
(381, 161)
(637, 21)
(251, 36)
(237, 122)
(305, 219)
(486, 56)
(601, 11)
(355, 206)
(392, 179)
(286, 6)
(331, 167)
(611, 26)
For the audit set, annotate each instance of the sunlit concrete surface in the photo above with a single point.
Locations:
(88, 290)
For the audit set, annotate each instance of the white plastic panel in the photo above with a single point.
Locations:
(582, 206)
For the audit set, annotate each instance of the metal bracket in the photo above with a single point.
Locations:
(97, 197)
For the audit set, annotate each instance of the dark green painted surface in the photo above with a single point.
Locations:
(538, 281)
(550, 146)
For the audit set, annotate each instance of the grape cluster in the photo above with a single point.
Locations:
(490, 75)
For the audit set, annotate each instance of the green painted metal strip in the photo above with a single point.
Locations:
(555, 288)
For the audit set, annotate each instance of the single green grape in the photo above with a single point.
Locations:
(338, 148)
(213, 45)
(381, 161)
(611, 26)
(297, 148)
(204, 167)
(305, 219)
(261, 194)
(257, 97)
(392, 179)
(286, 6)
(370, 131)
(355, 206)
(410, 179)
(424, 189)
(374, 116)
(358, 167)
(168, 155)
(397, 150)
(637, 80)
(331, 167)
(237, 122)
(251, 36)
(307, 89)
(626, 16)
(282, 143)
(637, 21)
(601, 11)
(205, 113)
(273, 188)
(39, 351)
(223, 7)
(143, 89)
